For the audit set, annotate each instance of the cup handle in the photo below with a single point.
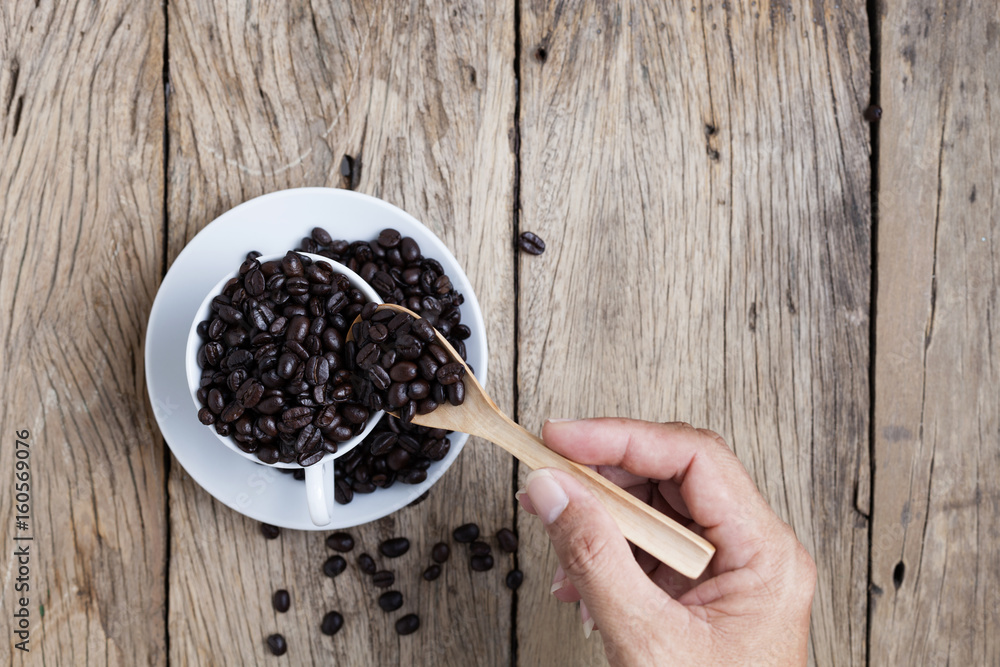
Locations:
(319, 487)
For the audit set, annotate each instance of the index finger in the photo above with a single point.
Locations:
(715, 486)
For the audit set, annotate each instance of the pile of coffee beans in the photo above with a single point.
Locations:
(394, 266)
(401, 365)
(274, 374)
(391, 601)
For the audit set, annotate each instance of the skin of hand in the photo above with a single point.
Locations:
(752, 604)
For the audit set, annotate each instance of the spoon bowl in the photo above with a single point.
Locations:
(478, 415)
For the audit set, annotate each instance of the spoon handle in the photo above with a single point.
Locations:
(655, 533)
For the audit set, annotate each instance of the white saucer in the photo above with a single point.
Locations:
(269, 224)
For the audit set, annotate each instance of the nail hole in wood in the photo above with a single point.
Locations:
(541, 54)
(897, 574)
(710, 130)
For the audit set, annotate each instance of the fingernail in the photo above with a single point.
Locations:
(558, 420)
(588, 622)
(520, 492)
(547, 497)
(558, 579)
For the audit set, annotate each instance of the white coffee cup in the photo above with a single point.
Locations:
(319, 476)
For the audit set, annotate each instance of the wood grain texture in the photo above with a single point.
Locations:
(81, 232)
(270, 96)
(701, 177)
(935, 550)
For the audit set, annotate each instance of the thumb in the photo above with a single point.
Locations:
(596, 557)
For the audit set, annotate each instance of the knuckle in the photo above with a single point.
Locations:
(589, 556)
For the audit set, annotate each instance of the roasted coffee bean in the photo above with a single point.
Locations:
(232, 412)
(383, 283)
(307, 459)
(456, 393)
(432, 572)
(481, 563)
(389, 238)
(334, 565)
(423, 330)
(270, 405)
(419, 389)
(531, 244)
(440, 552)
(297, 418)
(269, 531)
(514, 579)
(277, 644)
(403, 371)
(438, 354)
(412, 476)
(397, 396)
(383, 579)
(380, 378)
(450, 373)
(355, 414)
(408, 624)
(333, 621)
(250, 393)
(507, 540)
(428, 367)
(394, 547)
(367, 356)
(367, 564)
(321, 236)
(408, 347)
(426, 406)
(408, 411)
(478, 548)
(390, 601)
(281, 600)
(292, 264)
(267, 455)
(467, 532)
(216, 403)
(317, 371)
(398, 459)
(341, 542)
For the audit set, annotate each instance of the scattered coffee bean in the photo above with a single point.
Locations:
(507, 540)
(440, 552)
(269, 531)
(281, 600)
(367, 564)
(395, 547)
(390, 600)
(480, 549)
(466, 533)
(531, 244)
(341, 542)
(514, 579)
(277, 644)
(332, 622)
(873, 113)
(481, 563)
(432, 572)
(334, 565)
(408, 624)
(383, 579)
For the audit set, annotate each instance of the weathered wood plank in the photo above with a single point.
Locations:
(272, 96)
(701, 176)
(81, 252)
(937, 361)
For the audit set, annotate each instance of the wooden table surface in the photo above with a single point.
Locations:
(822, 291)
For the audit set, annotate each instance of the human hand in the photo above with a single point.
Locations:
(752, 604)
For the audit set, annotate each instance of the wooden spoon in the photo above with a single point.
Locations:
(655, 533)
